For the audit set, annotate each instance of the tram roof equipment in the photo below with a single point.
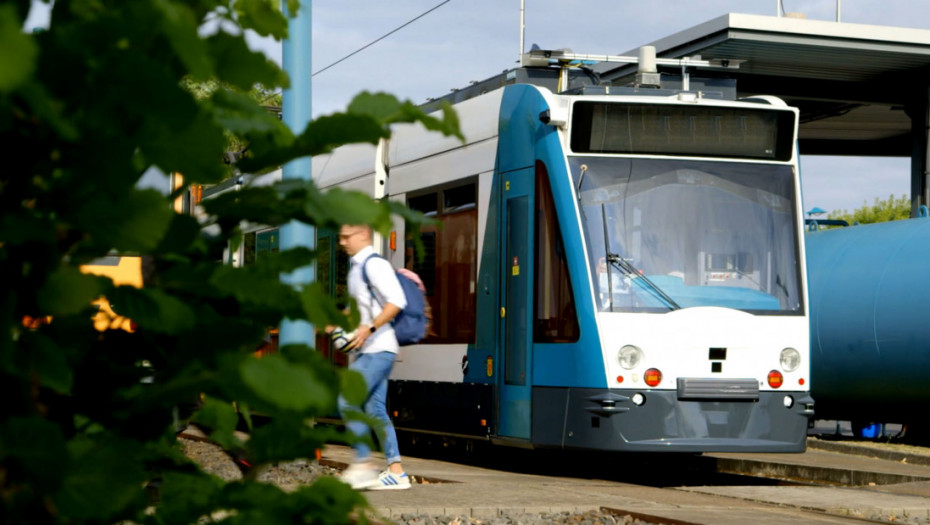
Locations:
(853, 83)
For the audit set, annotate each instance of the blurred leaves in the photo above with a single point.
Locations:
(890, 209)
(262, 16)
(18, 51)
(109, 91)
(288, 387)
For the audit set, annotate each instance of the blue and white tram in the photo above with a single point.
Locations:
(618, 272)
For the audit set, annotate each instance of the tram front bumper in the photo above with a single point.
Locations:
(602, 419)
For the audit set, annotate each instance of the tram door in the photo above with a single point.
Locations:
(516, 275)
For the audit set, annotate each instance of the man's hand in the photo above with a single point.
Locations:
(362, 333)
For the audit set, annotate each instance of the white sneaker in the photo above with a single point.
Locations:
(390, 481)
(360, 476)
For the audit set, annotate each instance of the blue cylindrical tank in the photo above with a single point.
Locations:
(870, 321)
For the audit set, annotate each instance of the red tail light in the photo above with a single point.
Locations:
(775, 379)
(653, 377)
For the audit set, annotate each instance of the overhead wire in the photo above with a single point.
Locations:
(366, 46)
(373, 42)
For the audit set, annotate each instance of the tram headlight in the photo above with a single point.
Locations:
(630, 356)
(790, 359)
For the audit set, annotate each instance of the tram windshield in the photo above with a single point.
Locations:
(668, 234)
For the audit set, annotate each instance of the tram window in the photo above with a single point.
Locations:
(248, 249)
(449, 265)
(426, 204)
(426, 267)
(457, 199)
(556, 320)
(332, 267)
(257, 243)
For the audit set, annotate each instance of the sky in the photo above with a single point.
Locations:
(466, 40)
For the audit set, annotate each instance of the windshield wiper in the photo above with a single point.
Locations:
(584, 168)
(635, 274)
(631, 271)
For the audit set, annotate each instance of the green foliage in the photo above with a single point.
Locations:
(891, 209)
(110, 90)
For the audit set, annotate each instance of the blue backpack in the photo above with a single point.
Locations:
(410, 325)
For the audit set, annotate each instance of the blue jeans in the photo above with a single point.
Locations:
(375, 368)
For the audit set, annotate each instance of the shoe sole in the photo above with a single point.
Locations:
(362, 486)
(390, 487)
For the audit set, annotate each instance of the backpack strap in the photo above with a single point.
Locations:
(368, 281)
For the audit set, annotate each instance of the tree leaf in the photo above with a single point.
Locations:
(105, 477)
(327, 497)
(263, 16)
(153, 310)
(241, 67)
(180, 28)
(266, 444)
(185, 497)
(286, 386)
(135, 223)
(37, 447)
(49, 362)
(256, 288)
(68, 291)
(389, 110)
(321, 135)
(18, 51)
(353, 387)
(320, 309)
(194, 149)
(221, 418)
(240, 114)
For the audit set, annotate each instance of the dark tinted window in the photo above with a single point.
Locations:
(449, 263)
(554, 303)
(672, 129)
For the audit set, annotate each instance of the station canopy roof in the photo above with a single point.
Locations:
(855, 84)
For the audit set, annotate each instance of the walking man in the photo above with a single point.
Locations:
(376, 348)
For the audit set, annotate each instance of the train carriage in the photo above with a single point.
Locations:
(616, 269)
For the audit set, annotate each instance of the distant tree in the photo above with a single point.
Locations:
(891, 209)
(86, 107)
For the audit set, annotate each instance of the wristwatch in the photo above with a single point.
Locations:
(373, 328)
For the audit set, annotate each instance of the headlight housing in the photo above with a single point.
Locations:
(630, 357)
(790, 359)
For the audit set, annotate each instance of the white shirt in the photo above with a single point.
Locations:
(386, 288)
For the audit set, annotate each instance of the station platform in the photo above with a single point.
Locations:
(850, 482)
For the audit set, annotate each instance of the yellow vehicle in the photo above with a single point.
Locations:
(122, 270)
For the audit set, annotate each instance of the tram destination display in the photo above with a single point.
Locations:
(666, 129)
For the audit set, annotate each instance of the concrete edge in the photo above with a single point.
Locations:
(478, 512)
(808, 474)
(860, 450)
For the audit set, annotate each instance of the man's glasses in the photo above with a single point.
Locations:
(347, 236)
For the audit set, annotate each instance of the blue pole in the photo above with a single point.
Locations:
(296, 114)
